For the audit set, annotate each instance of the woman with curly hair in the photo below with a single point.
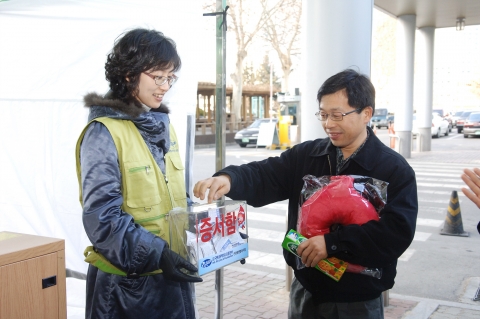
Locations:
(130, 176)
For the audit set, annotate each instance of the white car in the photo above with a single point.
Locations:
(439, 125)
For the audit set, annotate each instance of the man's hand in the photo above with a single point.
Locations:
(312, 251)
(472, 179)
(218, 186)
(171, 263)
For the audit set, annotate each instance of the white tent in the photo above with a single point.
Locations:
(52, 53)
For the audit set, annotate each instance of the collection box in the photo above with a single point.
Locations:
(210, 236)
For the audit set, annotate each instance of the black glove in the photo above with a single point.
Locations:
(172, 263)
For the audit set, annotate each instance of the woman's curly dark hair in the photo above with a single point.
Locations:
(139, 50)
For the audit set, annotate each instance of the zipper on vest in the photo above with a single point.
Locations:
(140, 168)
(169, 191)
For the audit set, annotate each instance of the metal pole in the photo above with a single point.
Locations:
(271, 85)
(220, 119)
(220, 128)
(189, 153)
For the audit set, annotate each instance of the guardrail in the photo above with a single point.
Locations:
(209, 128)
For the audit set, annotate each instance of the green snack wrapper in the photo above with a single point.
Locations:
(332, 267)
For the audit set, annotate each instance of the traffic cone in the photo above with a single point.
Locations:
(453, 222)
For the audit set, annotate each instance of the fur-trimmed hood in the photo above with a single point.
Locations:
(117, 106)
(153, 125)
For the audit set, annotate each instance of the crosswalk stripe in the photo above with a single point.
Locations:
(438, 179)
(436, 201)
(457, 175)
(265, 234)
(266, 217)
(439, 165)
(421, 236)
(452, 186)
(429, 222)
(437, 192)
(280, 206)
(407, 254)
(266, 259)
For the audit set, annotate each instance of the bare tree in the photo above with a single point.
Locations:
(475, 87)
(246, 19)
(282, 31)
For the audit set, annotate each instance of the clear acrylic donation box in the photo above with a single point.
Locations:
(210, 236)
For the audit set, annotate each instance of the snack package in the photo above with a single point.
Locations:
(332, 267)
(328, 201)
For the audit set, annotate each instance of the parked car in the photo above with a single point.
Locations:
(446, 116)
(439, 125)
(472, 125)
(455, 117)
(390, 119)
(461, 121)
(379, 118)
(249, 135)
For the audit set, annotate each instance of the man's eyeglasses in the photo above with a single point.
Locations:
(334, 116)
(161, 80)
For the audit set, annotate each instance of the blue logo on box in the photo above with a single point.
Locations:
(206, 263)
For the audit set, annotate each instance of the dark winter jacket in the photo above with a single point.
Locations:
(374, 244)
(114, 233)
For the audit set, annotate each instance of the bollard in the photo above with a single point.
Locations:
(386, 298)
(391, 133)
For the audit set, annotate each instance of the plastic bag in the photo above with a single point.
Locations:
(328, 201)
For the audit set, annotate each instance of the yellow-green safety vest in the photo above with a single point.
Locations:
(148, 195)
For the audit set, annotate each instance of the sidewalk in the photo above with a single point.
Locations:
(254, 294)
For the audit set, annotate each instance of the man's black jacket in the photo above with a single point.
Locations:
(374, 244)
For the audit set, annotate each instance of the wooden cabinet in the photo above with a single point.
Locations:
(32, 277)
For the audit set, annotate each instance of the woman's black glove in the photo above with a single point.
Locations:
(172, 263)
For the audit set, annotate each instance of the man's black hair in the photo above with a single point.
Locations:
(358, 88)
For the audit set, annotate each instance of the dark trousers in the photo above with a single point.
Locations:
(303, 306)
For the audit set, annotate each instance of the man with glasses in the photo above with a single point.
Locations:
(346, 104)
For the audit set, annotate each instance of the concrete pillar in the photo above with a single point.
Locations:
(424, 87)
(336, 35)
(209, 119)
(404, 73)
